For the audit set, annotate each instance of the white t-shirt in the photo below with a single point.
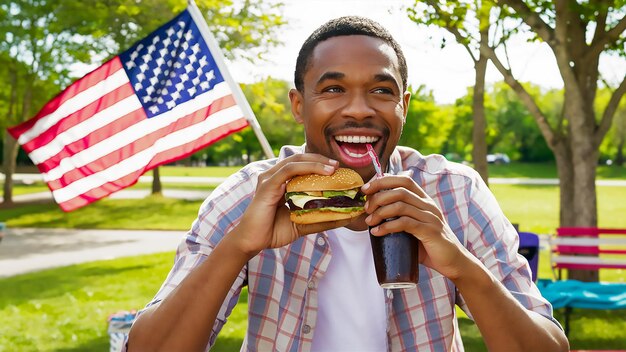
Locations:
(351, 313)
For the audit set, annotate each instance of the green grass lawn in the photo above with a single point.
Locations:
(65, 309)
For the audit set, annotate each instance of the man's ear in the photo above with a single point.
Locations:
(406, 99)
(296, 105)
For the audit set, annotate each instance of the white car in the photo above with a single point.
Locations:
(498, 158)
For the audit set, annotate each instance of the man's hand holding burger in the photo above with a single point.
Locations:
(266, 222)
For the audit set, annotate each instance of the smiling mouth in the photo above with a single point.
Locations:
(355, 146)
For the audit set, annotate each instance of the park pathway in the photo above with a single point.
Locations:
(25, 250)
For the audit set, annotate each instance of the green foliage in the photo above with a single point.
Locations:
(41, 40)
(245, 29)
(269, 100)
(512, 129)
(614, 145)
(428, 126)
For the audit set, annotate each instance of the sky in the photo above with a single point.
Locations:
(447, 72)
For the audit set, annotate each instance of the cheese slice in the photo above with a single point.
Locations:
(300, 200)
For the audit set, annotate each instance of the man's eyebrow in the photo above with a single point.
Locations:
(386, 77)
(330, 76)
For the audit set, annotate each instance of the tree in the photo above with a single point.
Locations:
(460, 19)
(428, 126)
(269, 100)
(615, 143)
(578, 34)
(42, 39)
(35, 50)
(512, 129)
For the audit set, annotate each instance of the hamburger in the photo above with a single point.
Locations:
(318, 198)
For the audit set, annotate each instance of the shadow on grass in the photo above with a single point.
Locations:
(23, 288)
(472, 340)
(227, 344)
(592, 329)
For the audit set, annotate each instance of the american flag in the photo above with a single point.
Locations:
(159, 101)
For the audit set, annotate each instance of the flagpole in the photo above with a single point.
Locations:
(221, 64)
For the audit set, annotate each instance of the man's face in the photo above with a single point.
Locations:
(353, 96)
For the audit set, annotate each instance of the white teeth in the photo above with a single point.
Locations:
(356, 139)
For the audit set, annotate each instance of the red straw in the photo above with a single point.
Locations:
(375, 162)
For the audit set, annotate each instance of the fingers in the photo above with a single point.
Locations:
(399, 197)
(299, 164)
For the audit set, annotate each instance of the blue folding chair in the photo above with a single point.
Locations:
(529, 248)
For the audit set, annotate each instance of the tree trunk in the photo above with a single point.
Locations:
(479, 151)
(157, 188)
(11, 147)
(565, 169)
(582, 212)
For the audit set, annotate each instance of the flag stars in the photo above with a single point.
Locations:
(153, 109)
(170, 68)
(209, 75)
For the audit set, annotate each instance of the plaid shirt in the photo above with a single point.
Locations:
(281, 282)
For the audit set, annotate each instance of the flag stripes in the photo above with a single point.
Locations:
(98, 136)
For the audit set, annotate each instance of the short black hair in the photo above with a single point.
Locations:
(347, 25)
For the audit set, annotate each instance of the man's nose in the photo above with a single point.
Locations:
(358, 106)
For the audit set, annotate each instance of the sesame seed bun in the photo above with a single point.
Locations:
(342, 179)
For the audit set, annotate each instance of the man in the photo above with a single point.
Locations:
(313, 287)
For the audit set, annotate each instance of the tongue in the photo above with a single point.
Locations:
(355, 148)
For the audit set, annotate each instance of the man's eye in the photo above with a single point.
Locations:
(332, 90)
(383, 91)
